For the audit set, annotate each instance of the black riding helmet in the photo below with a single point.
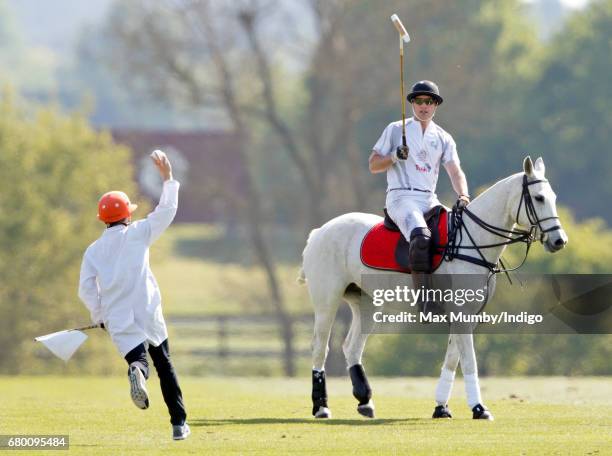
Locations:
(425, 88)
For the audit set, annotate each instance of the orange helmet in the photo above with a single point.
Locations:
(115, 206)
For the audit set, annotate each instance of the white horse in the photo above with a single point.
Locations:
(333, 271)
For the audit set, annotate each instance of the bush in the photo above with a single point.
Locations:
(53, 169)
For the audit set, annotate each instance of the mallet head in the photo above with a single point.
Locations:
(400, 28)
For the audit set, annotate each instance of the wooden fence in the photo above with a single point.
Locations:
(251, 338)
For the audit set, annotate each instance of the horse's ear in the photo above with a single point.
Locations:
(528, 166)
(539, 166)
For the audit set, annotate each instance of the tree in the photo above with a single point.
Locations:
(29, 69)
(231, 57)
(478, 52)
(161, 37)
(88, 78)
(52, 171)
(569, 117)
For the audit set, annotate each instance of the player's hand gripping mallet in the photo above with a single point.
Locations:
(402, 151)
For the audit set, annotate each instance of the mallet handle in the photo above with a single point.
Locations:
(87, 327)
(83, 328)
(402, 92)
(403, 37)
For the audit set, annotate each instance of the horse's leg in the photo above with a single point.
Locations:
(469, 367)
(353, 347)
(447, 378)
(325, 313)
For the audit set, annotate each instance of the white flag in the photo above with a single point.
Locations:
(63, 344)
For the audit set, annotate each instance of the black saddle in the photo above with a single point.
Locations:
(432, 218)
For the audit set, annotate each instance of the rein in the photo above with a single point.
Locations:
(455, 236)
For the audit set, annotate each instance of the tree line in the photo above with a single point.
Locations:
(307, 103)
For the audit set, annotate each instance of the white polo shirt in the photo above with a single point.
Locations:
(426, 151)
(117, 284)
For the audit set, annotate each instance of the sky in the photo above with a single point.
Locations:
(57, 24)
(574, 3)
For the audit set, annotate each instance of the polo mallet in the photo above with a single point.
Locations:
(402, 152)
(63, 344)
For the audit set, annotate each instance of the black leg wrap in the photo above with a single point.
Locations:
(442, 411)
(361, 387)
(480, 412)
(319, 391)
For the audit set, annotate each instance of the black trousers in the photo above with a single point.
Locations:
(167, 377)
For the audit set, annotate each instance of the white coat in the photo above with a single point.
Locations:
(117, 284)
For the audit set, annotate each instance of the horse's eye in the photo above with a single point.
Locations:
(539, 198)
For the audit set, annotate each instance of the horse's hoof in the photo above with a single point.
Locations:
(323, 412)
(442, 411)
(480, 412)
(366, 410)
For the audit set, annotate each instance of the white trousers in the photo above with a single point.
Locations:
(406, 209)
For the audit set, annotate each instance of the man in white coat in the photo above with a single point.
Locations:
(120, 291)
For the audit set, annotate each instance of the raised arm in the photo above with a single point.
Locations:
(164, 213)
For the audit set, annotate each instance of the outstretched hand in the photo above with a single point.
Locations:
(163, 164)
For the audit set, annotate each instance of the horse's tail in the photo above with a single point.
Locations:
(301, 279)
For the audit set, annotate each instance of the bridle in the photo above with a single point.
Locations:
(532, 216)
(455, 235)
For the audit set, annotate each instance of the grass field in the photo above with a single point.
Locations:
(272, 416)
(267, 416)
(202, 272)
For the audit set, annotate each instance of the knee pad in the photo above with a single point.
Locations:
(419, 253)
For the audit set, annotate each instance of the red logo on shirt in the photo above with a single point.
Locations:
(422, 169)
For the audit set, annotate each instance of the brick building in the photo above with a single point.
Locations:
(206, 163)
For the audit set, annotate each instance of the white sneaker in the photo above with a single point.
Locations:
(138, 388)
(180, 432)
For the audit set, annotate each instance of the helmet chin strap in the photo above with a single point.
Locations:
(418, 118)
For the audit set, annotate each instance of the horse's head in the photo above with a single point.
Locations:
(537, 208)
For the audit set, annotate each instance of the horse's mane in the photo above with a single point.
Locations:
(499, 183)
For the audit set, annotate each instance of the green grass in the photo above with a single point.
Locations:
(197, 275)
(272, 416)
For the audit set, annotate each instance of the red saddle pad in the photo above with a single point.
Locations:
(378, 246)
